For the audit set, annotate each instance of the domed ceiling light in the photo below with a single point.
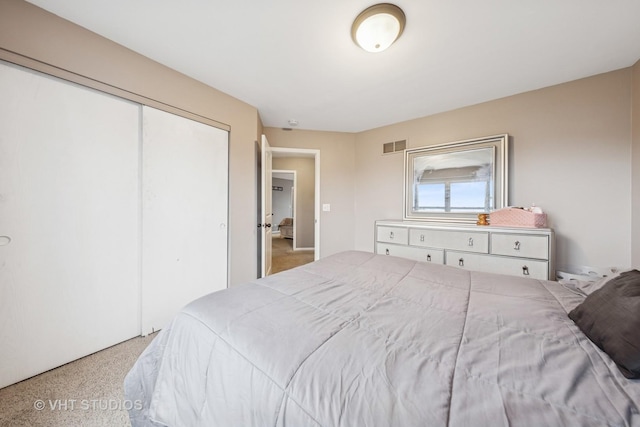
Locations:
(378, 26)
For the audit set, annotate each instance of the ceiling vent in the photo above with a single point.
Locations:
(394, 147)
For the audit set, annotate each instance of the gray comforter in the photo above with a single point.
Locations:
(358, 339)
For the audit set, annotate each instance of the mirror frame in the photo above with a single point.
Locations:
(499, 180)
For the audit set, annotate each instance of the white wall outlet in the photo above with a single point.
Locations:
(326, 207)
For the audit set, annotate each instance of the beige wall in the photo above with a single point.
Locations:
(635, 159)
(337, 175)
(570, 150)
(30, 35)
(305, 197)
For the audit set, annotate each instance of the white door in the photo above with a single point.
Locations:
(267, 211)
(69, 222)
(184, 214)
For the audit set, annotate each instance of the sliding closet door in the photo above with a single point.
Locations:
(69, 221)
(184, 214)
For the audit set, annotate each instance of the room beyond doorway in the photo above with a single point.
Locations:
(283, 202)
(304, 244)
(286, 253)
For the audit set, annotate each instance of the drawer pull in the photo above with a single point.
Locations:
(461, 262)
(422, 237)
(386, 251)
(391, 234)
(470, 241)
(516, 246)
(429, 257)
(525, 270)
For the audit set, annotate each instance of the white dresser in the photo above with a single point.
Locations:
(526, 252)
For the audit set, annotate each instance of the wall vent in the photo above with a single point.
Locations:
(394, 147)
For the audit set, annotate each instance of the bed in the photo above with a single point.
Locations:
(358, 339)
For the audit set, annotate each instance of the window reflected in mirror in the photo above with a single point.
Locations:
(455, 182)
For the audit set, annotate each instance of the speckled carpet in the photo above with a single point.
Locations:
(284, 257)
(87, 392)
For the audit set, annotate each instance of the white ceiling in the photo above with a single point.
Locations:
(294, 59)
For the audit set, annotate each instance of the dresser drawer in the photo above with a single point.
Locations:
(520, 245)
(435, 256)
(470, 241)
(399, 235)
(522, 267)
(466, 260)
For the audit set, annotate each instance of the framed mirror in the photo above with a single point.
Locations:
(455, 182)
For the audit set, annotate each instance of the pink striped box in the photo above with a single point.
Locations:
(517, 217)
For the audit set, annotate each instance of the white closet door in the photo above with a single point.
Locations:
(69, 217)
(184, 214)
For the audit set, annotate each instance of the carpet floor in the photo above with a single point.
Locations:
(86, 392)
(285, 258)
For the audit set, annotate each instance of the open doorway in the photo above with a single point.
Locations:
(295, 207)
(285, 252)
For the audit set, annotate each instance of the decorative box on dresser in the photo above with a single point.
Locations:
(526, 252)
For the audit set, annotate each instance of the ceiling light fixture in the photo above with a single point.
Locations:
(378, 26)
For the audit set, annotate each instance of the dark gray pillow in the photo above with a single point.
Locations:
(610, 317)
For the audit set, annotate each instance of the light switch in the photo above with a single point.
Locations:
(326, 207)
